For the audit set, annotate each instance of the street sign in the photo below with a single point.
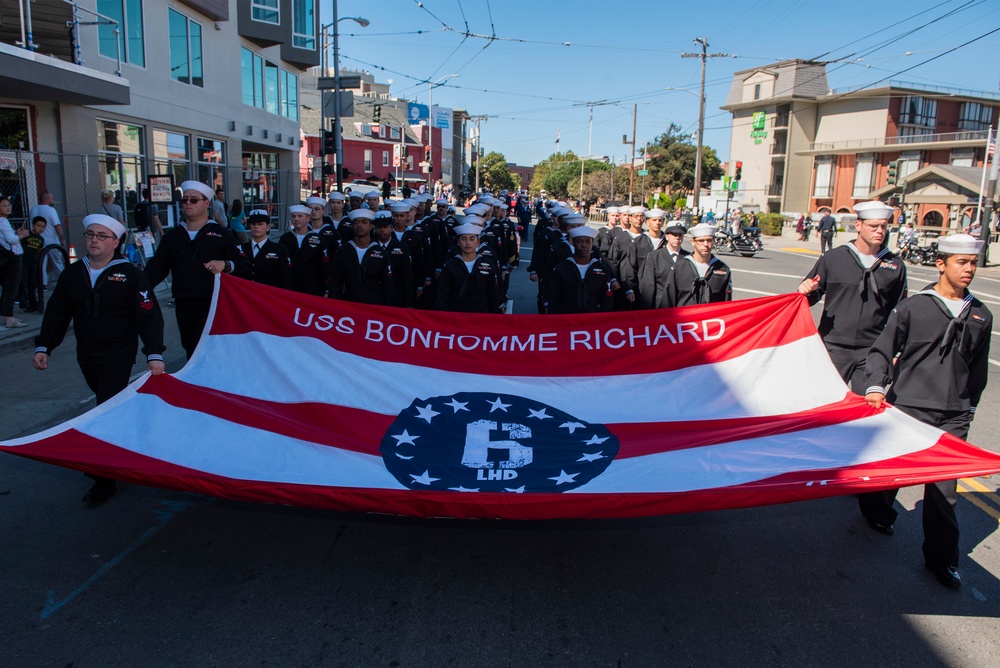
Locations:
(643, 172)
(396, 161)
(346, 104)
(346, 82)
(161, 188)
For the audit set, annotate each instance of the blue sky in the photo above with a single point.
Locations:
(627, 52)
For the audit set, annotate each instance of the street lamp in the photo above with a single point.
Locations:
(431, 85)
(338, 142)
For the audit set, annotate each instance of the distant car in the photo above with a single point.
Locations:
(363, 188)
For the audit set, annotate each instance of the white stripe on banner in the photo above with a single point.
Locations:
(766, 381)
(149, 426)
(884, 436)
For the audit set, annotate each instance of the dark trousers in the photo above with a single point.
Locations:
(28, 293)
(939, 520)
(850, 363)
(105, 381)
(825, 242)
(192, 313)
(10, 278)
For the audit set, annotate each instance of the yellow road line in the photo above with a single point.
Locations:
(979, 503)
(804, 251)
(983, 489)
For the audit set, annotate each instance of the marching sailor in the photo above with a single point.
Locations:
(400, 290)
(862, 282)
(931, 361)
(470, 282)
(635, 259)
(659, 266)
(268, 260)
(700, 278)
(581, 283)
(307, 252)
(360, 269)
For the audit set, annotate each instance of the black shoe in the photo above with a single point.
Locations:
(946, 575)
(882, 528)
(100, 492)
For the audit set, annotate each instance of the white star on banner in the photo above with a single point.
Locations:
(405, 438)
(572, 426)
(426, 413)
(590, 457)
(424, 479)
(516, 490)
(564, 477)
(541, 415)
(594, 440)
(499, 404)
(457, 405)
(462, 489)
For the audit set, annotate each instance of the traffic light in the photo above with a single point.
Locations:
(328, 170)
(739, 171)
(377, 113)
(329, 145)
(892, 172)
(427, 154)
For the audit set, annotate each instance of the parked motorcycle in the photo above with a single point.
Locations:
(747, 243)
(915, 254)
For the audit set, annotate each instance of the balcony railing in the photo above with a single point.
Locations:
(778, 148)
(774, 190)
(973, 136)
(45, 31)
(780, 121)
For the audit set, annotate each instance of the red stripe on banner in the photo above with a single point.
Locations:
(950, 458)
(361, 431)
(593, 344)
(337, 426)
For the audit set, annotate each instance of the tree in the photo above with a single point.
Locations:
(545, 167)
(672, 162)
(493, 173)
(597, 185)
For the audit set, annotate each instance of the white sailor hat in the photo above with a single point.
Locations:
(399, 207)
(258, 216)
(112, 224)
(503, 206)
(703, 230)
(583, 231)
(441, 202)
(467, 228)
(362, 213)
(383, 217)
(576, 219)
(656, 213)
(409, 201)
(636, 209)
(355, 194)
(959, 244)
(561, 203)
(315, 201)
(560, 211)
(200, 187)
(473, 220)
(476, 209)
(299, 208)
(372, 194)
(337, 196)
(612, 209)
(873, 210)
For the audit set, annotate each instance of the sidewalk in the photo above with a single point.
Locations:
(24, 337)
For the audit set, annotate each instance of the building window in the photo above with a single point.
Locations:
(212, 162)
(385, 158)
(246, 61)
(756, 91)
(393, 133)
(917, 118)
(128, 14)
(271, 88)
(975, 117)
(303, 24)
(909, 162)
(290, 95)
(171, 154)
(121, 163)
(368, 161)
(185, 49)
(824, 176)
(963, 157)
(864, 173)
(265, 11)
(366, 130)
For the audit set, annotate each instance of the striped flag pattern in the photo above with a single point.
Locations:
(320, 403)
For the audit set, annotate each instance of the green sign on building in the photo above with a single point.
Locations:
(757, 128)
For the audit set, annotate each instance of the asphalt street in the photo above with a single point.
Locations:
(158, 578)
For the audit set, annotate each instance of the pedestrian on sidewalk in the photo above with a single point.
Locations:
(30, 261)
(827, 231)
(10, 265)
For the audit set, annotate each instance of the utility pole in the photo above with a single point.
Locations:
(701, 113)
(631, 176)
(479, 144)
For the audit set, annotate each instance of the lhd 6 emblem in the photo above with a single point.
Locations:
(478, 442)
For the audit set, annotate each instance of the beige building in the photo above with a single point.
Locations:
(807, 148)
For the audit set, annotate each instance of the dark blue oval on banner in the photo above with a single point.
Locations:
(476, 442)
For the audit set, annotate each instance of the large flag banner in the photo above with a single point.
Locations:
(321, 403)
